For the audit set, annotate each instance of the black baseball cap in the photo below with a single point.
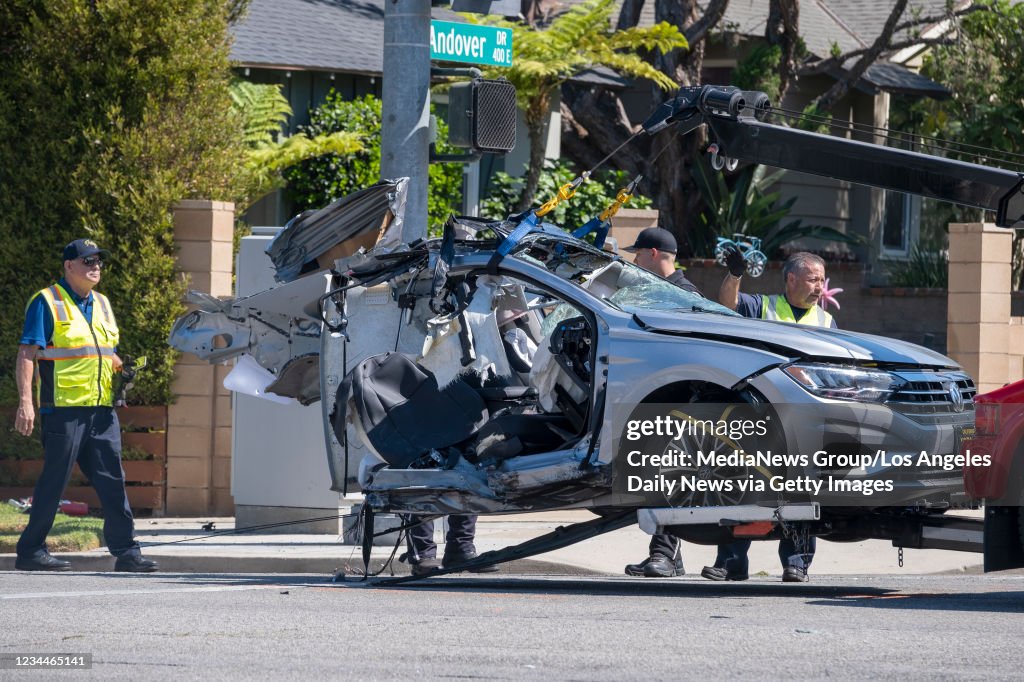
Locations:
(83, 248)
(654, 238)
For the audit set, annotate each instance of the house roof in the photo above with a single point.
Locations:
(347, 35)
(848, 24)
(318, 35)
(898, 79)
(867, 17)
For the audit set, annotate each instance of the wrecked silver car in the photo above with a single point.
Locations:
(510, 367)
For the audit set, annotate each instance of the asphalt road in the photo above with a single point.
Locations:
(545, 628)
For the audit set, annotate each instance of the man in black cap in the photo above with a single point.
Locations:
(70, 337)
(655, 250)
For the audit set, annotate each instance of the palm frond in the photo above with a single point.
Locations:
(265, 161)
(577, 40)
(263, 109)
(662, 36)
(631, 65)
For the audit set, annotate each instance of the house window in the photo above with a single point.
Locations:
(902, 213)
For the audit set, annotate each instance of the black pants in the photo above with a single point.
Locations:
(733, 557)
(665, 545)
(90, 436)
(461, 531)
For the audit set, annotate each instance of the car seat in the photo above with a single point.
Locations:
(405, 414)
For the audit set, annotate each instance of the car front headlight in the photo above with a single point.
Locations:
(844, 383)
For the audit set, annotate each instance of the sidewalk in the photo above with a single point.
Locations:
(209, 552)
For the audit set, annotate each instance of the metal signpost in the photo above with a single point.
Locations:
(410, 42)
(405, 106)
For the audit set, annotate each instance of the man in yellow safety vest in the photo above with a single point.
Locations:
(804, 282)
(69, 343)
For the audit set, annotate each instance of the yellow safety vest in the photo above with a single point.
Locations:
(81, 355)
(776, 307)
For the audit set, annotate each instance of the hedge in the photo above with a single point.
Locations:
(110, 112)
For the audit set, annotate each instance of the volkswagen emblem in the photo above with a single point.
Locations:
(956, 397)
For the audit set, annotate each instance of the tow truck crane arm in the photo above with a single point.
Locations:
(736, 119)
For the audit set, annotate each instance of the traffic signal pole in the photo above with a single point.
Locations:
(405, 106)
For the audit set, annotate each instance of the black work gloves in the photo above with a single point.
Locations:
(735, 261)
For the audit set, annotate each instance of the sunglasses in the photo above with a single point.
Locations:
(91, 261)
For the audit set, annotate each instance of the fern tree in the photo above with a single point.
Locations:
(263, 111)
(582, 38)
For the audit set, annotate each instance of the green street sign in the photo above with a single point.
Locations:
(488, 45)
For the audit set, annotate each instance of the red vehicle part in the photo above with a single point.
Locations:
(999, 423)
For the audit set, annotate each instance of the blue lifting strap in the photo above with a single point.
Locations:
(598, 227)
(528, 225)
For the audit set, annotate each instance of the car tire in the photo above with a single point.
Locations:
(735, 474)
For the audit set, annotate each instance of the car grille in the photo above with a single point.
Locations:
(927, 397)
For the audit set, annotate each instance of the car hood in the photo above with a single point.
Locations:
(793, 339)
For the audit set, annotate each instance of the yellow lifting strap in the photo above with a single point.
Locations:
(565, 192)
(624, 195)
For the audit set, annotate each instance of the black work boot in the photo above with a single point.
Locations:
(134, 562)
(41, 562)
(425, 566)
(637, 570)
(456, 557)
(716, 573)
(794, 574)
(660, 566)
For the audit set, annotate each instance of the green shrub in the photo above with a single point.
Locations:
(16, 446)
(592, 197)
(927, 267)
(69, 533)
(750, 208)
(110, 113)
(317, 182)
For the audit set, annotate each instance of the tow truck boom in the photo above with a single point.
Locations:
(736, 119)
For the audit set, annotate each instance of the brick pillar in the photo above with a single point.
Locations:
(199, 422)
(978, 316)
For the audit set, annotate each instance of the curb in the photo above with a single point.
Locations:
(90, 562)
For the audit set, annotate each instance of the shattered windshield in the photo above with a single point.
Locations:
(646, 291)
(619, 283)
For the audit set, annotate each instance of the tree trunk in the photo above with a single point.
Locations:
(536, 130)
(629, 15)
(783, 29)
(594, 124)
(676, 195)
(842, 86)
